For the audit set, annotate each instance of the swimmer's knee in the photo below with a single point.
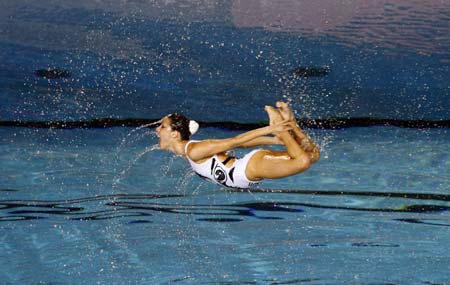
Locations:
(302, 163)
(315, 155)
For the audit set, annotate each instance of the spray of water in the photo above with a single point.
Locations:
(295, 92)
(122, 173)
(126, 138)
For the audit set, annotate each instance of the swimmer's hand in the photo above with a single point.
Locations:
(280, 127)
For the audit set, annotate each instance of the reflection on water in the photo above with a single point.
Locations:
(145, 208)
(395, 24)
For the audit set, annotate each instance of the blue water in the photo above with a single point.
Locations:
(83, 204)
(106, 206)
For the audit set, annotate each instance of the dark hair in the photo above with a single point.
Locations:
(180, 123)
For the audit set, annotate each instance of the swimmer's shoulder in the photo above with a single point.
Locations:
(194, 148)
(190, 146)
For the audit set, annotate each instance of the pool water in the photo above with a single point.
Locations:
(86, 196)
(102, 205)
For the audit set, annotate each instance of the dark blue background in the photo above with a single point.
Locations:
(143, 60)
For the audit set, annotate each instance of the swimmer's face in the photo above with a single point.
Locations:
(165, 133)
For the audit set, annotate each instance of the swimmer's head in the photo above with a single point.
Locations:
(183, 125)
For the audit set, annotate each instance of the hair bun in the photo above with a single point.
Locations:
(193, 127)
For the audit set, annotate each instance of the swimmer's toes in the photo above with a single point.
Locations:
(274, 115)
(285, 111)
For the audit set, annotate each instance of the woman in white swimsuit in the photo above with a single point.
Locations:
(209, 160)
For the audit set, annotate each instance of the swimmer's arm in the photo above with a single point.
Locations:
(207, 148)
(264, 140)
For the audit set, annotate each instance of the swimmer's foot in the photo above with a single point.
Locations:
(285, 111)
(274, 115)
(297, 133)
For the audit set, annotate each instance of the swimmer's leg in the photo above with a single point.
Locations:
(300, 136)
(272, 164)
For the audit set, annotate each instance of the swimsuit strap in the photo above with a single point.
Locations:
(227, 159)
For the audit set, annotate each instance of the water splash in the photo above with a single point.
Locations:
(185, 180)
(122, 173)
(125, 139)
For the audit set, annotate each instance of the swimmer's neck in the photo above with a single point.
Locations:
(178, 147)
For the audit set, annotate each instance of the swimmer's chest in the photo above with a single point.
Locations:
(221, 157)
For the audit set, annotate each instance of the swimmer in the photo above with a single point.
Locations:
(209, 158)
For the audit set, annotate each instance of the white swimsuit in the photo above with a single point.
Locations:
(216, 171)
